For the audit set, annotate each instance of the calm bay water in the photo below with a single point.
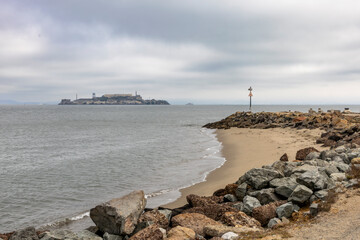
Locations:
(57, 162)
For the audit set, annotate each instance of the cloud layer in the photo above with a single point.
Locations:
(210, 51)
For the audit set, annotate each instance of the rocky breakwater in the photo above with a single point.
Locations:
(262, 199)
(340, 128)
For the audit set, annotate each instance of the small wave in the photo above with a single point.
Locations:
(158, 193)
(64, 222)
(81, 216)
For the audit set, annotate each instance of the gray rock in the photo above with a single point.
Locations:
(321, 163)
(273, 222)
(279, 166)
(119, 216)
(69, 235)
(289, 166)
(304, 168)
(313, 198)
(230, 198)
(241, 180)
(239, 206)
(312, 180)
(342, 167)
(230, 236)
(352, 183)
(338, 177)
(300, 194)
(331, 168)
(167, 213)
(28, 233)
(345, 158)
(352, 155)
(322, 194)
(265, 196)
(285, 190)
(108, 236)
(340, 149)
(312, 155)
(314, 209)
(337, 159)
(327, 154)
(241, 190)
(296, 208)
(249, 204)
(259, 178)
(285, 210)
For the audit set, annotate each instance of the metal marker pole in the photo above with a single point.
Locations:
(250, 95)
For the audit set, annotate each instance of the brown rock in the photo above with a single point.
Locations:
(239, 219)
(155, 217)
(181, 233)
(299, 119)
(197, 201)
(153, 232)
(284, 158)
(266, 212)
(302, 153)
(231, 188)
(220, 192)
(219, 230)
(329, 143)
(213, 211)
(194, 221)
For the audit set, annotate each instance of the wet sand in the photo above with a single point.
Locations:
(245, 149)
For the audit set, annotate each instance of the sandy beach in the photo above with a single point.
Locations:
(244, 149)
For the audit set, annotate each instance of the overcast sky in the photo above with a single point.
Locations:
(203, 51)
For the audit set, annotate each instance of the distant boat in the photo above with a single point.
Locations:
(189, 104)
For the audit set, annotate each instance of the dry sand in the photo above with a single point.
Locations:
(244, 149)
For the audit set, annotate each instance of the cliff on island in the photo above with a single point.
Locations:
(267, 202)
(114, 99)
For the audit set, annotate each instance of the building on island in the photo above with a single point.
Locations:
(113, 99)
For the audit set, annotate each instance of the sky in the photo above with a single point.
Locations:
(205, 52)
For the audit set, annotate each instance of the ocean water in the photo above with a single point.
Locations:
(57, 162)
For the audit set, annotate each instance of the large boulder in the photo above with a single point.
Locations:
(153, 232)
(236, 219)
(259, 178)
(312, 180)
(264, 213)
(284, 186)
(194, 221)
(302, 153)
(265, 196)
(181, 233)
(300, 194)
(249, 204)
(28, 233)
(119, 216)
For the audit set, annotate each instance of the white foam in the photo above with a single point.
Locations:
(81, 216)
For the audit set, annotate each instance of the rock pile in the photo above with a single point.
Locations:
(264, 197)
(341, 129)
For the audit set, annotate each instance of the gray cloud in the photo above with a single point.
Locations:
(206, 51)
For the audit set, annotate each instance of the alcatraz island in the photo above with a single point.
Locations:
(113, 99)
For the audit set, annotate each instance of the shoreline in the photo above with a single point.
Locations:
(244, 149)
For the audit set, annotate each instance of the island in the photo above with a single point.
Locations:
(114, 99)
